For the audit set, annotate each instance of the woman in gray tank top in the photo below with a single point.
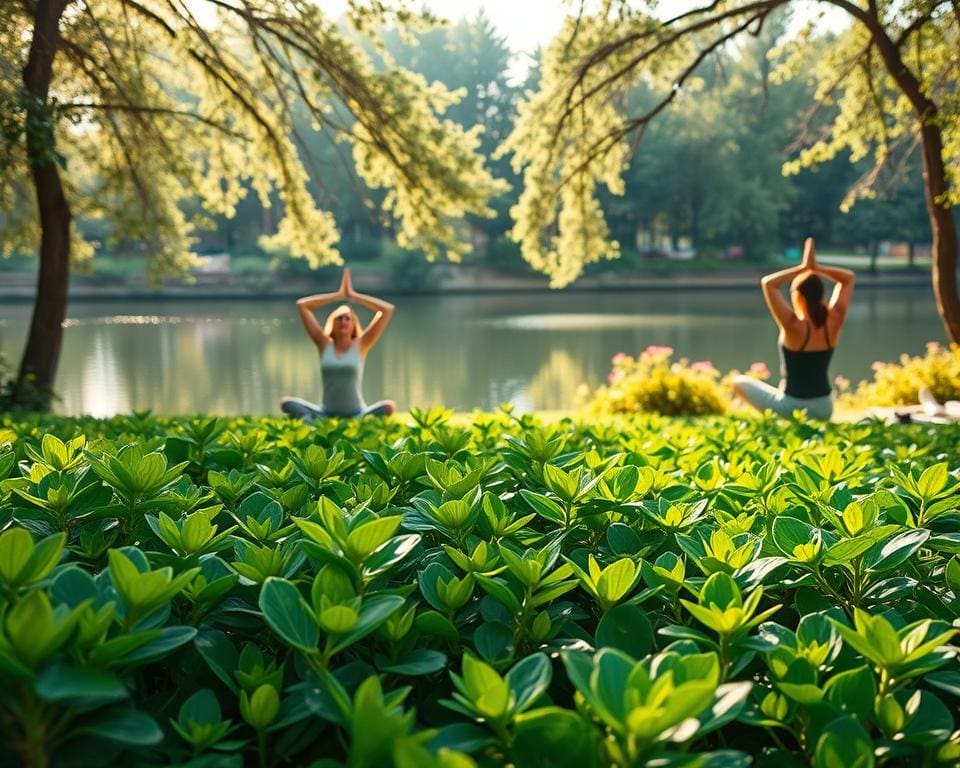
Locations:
(343, 345)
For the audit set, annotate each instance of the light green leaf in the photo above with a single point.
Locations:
(366, 538)
(16, 547)
(617, 580)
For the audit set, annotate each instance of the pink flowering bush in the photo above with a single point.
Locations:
(938, 369)
(654, 383)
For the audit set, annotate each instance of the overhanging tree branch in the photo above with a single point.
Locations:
(804, 129)
(915, 25)
(639, 123)
(604, 52)
(144, 109)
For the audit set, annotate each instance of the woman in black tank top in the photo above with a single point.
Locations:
(809, 328)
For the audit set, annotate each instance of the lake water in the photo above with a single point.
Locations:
(466, 352)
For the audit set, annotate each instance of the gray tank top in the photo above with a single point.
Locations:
(341, 375)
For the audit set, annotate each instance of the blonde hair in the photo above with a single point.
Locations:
(343, 309)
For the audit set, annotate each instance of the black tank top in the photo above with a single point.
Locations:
(806, 372)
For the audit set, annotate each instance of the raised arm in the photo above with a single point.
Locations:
(309, 304)
(842, 291)
(781, 310)
(383, 311)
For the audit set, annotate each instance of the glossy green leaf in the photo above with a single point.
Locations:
(16, 546)
(623, 540)
(543, 506)
(287, 614)
(433, 623)
(394, 551)
(201, 707)
(844, 744)
(126, 726)
(720, 590)
(932, 481)
(62, 682)
(165, 641)
(493, 640)
(789, 533)
(853, 691)
(419, 661)
(500, 592)
(368, 537)
(553, 736)
(887, 555)
(529, 679)
(608, 683)
(627, 628)
(373, 612)
(617, 580)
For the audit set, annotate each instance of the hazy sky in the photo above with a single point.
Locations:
(529, 23)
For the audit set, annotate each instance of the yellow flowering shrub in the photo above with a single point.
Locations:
(900, 383)
(654, 383)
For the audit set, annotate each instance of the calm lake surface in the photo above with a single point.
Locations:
(466, 352)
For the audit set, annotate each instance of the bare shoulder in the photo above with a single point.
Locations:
(836, 317)
(792, 331)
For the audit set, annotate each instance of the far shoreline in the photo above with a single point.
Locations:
(83, 290)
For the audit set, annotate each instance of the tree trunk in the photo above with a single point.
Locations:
(942, 225)
(944, 228)
(38, 366)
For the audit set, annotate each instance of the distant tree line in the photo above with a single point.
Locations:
(707, 176)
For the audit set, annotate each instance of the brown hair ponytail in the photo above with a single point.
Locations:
(811, 288)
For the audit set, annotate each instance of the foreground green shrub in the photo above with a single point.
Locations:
(23, 395)
(647, 592)
(900, 383)
(653, 383)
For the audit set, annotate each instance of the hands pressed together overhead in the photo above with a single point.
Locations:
(346, 286)
(809, 255)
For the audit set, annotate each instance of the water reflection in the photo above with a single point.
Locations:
(465, 352)
(555, 374)
(594, 322)
(102, 391)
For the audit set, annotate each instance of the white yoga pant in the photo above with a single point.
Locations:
(762, 396)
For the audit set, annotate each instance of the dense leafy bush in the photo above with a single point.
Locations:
(900, 383)
(653, 383)
(655, 592)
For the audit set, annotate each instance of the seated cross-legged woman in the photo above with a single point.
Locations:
(809, 329)
(343, 345)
